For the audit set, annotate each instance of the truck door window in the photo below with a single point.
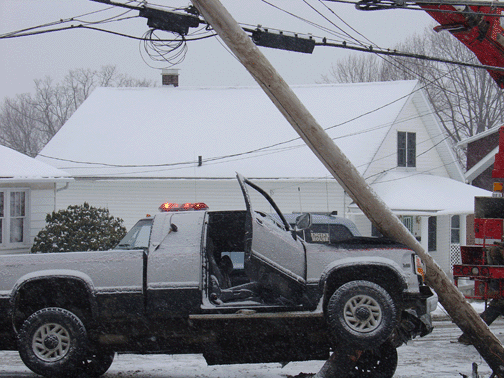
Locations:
(138, 237)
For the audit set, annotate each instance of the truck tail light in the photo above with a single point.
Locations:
(169, 206)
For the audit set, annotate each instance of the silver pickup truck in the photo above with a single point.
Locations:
(235, 286)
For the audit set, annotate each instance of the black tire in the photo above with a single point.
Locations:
(53, 342)
(97, 363)
(361, 314)
(378, 363)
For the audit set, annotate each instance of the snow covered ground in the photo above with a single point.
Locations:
(437, 355)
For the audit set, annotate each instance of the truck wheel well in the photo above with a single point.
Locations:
(380, 275)
(70, 294)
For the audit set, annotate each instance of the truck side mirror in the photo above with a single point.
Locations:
(303, 221)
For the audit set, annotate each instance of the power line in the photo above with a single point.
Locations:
(414, 173)
(366, 48)
(396, 63)
(417, 156)
(318, 26)
(388, 52)
(394, 167)
(347, 24)
(63, 21)
(158, 52)
(81, 26)
(372, 5)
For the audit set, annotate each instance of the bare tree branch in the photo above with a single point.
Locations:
(28, 122)
(466, 100)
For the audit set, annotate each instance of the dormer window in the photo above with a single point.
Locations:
(406, 149)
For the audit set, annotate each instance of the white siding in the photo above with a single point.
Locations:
(133, 199)
(42, 203)
(442, 255)
(428, 159)
(362, 222)
(443, 144)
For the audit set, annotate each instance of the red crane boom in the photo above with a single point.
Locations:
(477, 27)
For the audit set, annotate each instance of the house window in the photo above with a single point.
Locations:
(432, 241)
(455, 229)
(13, 216)
(406, 149)
(407, 220)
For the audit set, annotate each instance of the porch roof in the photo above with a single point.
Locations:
(416, 193)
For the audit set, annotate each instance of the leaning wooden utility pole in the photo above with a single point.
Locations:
(349, 178)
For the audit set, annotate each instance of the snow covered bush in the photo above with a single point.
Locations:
(79, 228)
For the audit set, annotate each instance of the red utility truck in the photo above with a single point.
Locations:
(483, 262)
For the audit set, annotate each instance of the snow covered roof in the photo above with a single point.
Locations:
(161, 132)
(19, 167)
(412, 192)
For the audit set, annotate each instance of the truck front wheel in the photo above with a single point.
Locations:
(362, 314)
(377, 363)
(53, 342)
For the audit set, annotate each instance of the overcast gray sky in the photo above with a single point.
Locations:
(207, 62)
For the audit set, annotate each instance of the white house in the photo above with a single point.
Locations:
(131, 149)
(27, 194)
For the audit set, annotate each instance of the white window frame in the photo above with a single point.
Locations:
(407, 221)
(456, 229)
(6, 219)
(409, 150)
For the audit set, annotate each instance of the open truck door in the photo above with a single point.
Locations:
(275, 257)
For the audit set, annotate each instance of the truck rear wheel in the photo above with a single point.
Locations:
(361, 313)
(53, 342)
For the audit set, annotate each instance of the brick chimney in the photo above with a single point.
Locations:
(170, 76)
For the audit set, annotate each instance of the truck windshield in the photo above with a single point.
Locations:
(138, 237)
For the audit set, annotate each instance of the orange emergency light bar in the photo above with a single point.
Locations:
(170, 206)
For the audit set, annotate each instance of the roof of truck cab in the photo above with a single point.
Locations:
(318, 218)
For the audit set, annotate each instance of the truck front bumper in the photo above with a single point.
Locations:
(416, 319)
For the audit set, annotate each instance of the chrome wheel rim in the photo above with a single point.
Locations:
(362, 313)
(51, 342)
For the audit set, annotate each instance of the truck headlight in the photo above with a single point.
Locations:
(419, 267)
